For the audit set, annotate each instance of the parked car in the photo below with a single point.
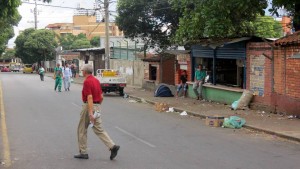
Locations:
(5, 69)
(27, 68)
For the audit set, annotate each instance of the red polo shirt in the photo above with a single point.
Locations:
(91, 86)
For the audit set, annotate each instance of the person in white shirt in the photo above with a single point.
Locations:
(67, 74)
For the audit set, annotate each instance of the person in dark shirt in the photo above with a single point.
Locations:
(183, 84)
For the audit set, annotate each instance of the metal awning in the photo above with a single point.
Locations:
(89, 50)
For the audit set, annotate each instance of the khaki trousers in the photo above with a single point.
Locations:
(97, 128)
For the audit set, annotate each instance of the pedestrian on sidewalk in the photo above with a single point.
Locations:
(67, 74)
(73, 69)
(183, 84)
(92, 98)
(42, 73)
(200, 75)
(58, 77)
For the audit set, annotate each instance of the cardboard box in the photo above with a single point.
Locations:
(161, 107)
(214, 121)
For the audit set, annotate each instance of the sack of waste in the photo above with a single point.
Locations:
(243, 102)
(234, 122)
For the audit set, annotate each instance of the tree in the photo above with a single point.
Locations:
(9, 54)
(217, 18)
(70, 41)
(36, 45)
(292, 7)
(267, 27)
(95, 41)
(9, 17)
(152, 20)
(9, 8)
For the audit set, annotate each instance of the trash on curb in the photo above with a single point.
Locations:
(243, 102)
(234, 122)
(143, 100)
(132, 101)
(184, 113)
(161, 107)
(171, 109)
(214, 121)
(125, 95)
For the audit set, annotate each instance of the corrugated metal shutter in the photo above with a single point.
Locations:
(232, 51)
(202, 51)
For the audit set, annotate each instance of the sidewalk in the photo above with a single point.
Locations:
(261, 121)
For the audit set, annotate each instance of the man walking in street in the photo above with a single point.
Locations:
(92, 97)
(73, 69)
(42, 73)
(67, 74)
(200, 75)
(58, 77)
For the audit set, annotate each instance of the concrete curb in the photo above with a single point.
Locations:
(245, 126)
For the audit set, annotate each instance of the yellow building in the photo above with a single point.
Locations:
(86, 25)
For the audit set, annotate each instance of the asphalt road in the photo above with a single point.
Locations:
(41, 128)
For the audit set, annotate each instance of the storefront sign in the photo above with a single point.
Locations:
(183, 59)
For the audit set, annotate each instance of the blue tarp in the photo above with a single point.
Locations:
(163, 91)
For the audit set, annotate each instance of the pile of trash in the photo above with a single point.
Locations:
(234, 122)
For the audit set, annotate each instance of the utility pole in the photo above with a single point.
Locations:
(35, 15)
(107, 52)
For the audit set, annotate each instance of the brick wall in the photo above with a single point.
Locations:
(259, 72)
(289, 73)
(286, 95)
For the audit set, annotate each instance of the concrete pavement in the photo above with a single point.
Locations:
(276, 125)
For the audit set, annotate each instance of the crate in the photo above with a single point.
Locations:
(214, 121)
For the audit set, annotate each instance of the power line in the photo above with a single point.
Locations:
(65, 7)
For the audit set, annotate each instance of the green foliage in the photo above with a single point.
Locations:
(95, 41)
(9, 8)
(268, 27)
(9, 17)
(35, 45)
(292, 7)
(152, 20)
(217, 18)
(9, 54)
(70, 41)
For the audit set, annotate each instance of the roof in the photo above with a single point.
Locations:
(220, 42)
(289, 40)
(157, 58)
(178, 52)
(57, 25)
(89, 50)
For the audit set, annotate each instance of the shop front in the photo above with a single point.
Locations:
(225, 64)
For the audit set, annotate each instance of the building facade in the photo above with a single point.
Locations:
(85, 24)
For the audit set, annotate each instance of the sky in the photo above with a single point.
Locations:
(48, 15)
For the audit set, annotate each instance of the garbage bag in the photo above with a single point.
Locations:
(234, 105)
(234, 122)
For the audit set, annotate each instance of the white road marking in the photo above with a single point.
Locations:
(135, 137)
(76, 105)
